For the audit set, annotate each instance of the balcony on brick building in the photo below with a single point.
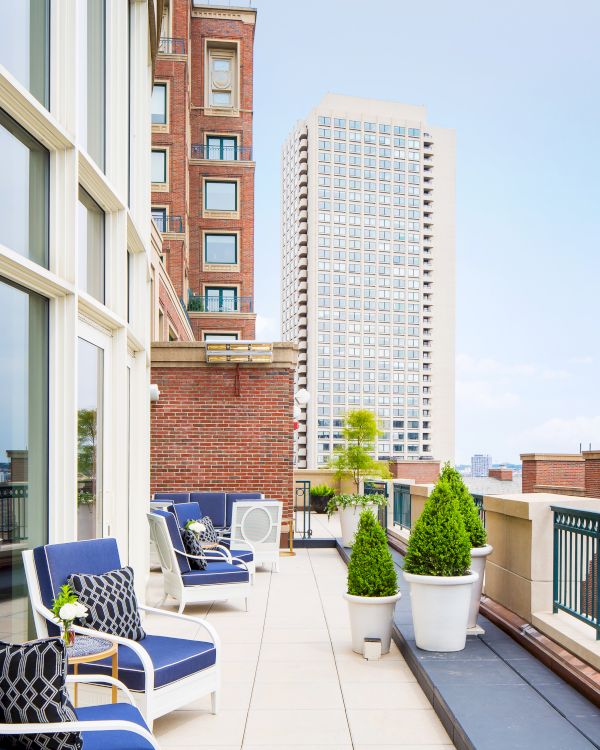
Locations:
(218, 303)
(167, 223)
(171, 46)
(221, 152)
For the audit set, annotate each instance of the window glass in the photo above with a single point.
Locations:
(90, 386)
(23, 449)
(159, 104)
(24, 166)
(160, 218)
(220, 337)
(220, 196)
(159, 166)
(220, 299)
(92, 77)
(220, 248)
(90, 250)
(221, 148)
(24, 51)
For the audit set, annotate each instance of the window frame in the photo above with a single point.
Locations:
(221, 137)
(161, 186)
(156, 125)
(221, 213)
(219, 265)
(226, 48)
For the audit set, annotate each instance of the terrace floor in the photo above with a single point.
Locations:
(290, 678)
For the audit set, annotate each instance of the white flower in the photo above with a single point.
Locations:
(197, 527)
(82, 610)
(68, 612)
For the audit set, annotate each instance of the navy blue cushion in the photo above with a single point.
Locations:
(56, 562)
(233, 497)
(173, 529)
(212, 504)
(242, 554)
(113, 740)
(216, 572)
(185, 512)
(174, 497)
(173, 659)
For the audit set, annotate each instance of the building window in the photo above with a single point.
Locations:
(221, 337)
(90, 388)
(220, 299)
(220, 248)
(220, 196)
(159, 166)
(159, 104)
(221, 148)
(222, 77)
(24, 165)
(24, 51)
(160, 218)
(90, 250)
(92, 77)
(23, 447)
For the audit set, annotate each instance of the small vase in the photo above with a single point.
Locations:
(68, 635)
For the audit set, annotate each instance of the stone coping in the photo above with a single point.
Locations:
(495, 695)
(193, 354)
(564, 457)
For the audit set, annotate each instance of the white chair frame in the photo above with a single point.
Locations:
(100, 725)
(173, 581)
(242, 511)
(152, 702)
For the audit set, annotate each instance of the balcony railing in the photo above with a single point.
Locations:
(402, 505)
(169, 45)
(373, 487)
(478, 500)
(13, 515)
(169, 223)
(221, 152)
(206, 303)
(575, 582)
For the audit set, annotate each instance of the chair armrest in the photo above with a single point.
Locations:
(139, 650)
(200, 621)
(240, 563)
(221, 553)
(101, 725)
(242, 544)
(98, 679)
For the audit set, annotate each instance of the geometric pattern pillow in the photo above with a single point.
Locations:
(192, 546)
(32, 690)
(209, 537)
(111, 602)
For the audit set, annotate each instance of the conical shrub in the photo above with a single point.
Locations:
(466, 505)
(439, 544)
(371, 570)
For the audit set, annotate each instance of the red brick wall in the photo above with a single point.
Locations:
(591, 473)
(172, 315)
(504, 475)
(423, 472)
(245, 326)
(209, 433)
(553, 472)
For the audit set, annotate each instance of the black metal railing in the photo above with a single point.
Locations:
(221, 152)
(402, 505)
(373, 487)
(206, 303)
(168, 223)
(575, 582)
(478, 500)
(13, 512)
(169, 45)
(302, 525)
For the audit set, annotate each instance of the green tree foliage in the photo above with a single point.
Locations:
(355, 458)
(466, 504)
(371, 570)
(439, 544)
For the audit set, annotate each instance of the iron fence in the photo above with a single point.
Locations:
(302, 525)
(478, 500)
(221, 152)
(402, 505)
(220, 304)
(372, 487)
(13, 513)
(575, 582)
(169, 45)
(169, 223)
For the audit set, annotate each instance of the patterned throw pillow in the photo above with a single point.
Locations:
(210, 537)
(111, 602)
(32, 690)
(192, 546)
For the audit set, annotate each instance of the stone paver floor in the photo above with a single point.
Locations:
(290, 678)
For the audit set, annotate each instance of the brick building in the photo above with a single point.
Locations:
(202, 165)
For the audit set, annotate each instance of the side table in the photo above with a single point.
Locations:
(87, 649)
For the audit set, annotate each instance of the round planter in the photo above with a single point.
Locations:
(478, 558)
(440, 610)
(318, 503)
(371, 617)
(349, 518)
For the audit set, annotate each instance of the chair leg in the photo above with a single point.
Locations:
(181, 607)
(214, 702)
(246, 603)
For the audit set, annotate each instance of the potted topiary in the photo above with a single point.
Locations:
(372, 585)
(437, 568)
(349, 508)
(480, 549)
(320, 495)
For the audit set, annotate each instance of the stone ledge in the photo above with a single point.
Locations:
(573, 635)
(193, 354)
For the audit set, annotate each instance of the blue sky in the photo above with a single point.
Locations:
(519, 82)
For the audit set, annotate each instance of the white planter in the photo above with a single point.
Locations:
(440, 610)
(371, 617)
(478, 558)
(349, 518)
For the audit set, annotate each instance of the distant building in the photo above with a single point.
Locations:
(480, 465)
